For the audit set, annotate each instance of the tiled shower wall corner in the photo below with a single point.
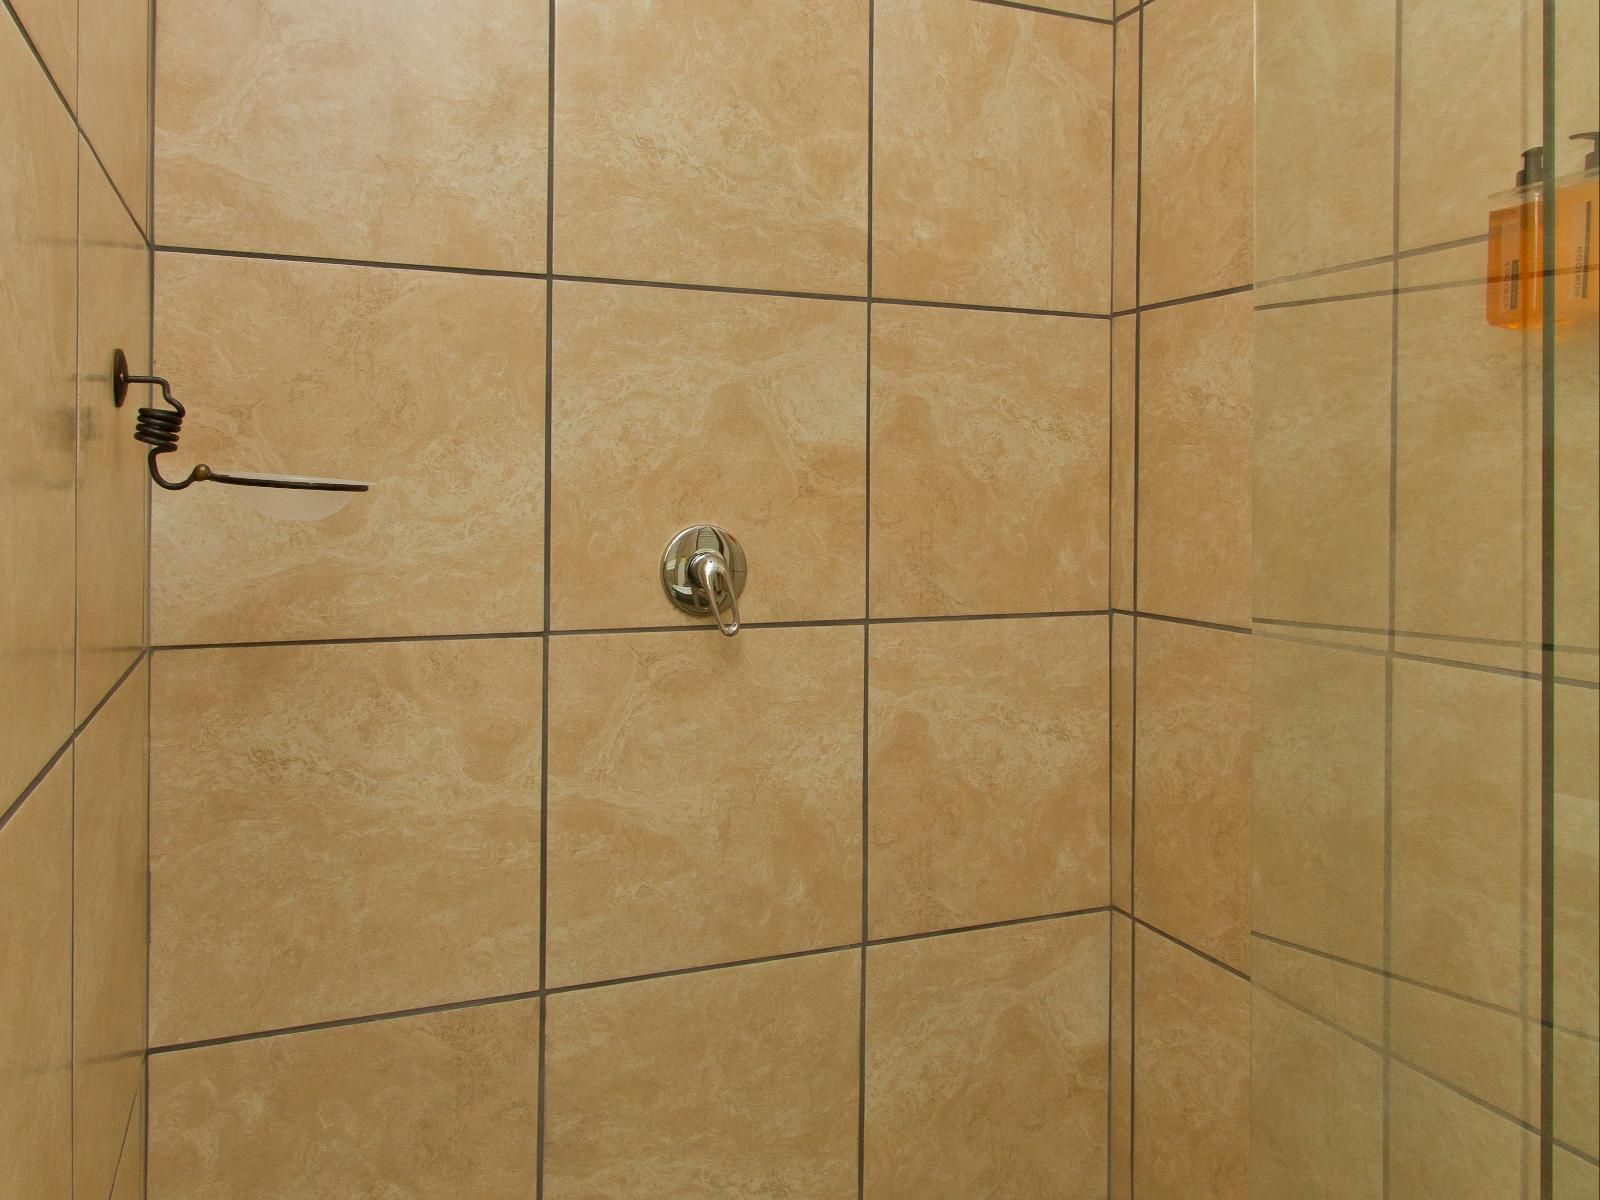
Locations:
(74, 286)
(1181, 599)
(473, 860)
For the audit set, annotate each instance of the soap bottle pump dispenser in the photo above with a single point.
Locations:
(1577, 215)
(1515, 300)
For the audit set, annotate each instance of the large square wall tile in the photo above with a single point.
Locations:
(705, 798)
(713, 141)
(989, 472)
(675, 408)
(409, 132)
(965, 206)
(988, 772)
(737, 1082)
(420, 1106)
(986, 1063)
(338, 831)
(316, 369)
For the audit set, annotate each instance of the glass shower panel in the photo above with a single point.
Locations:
(1427, 613)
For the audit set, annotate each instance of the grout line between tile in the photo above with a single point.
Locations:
(1411, 981)
(866, 629)
(1167, 618)
(994, 308)
(721, 289)
(1195, 950)
(1456, 664)
(1375, 261)
(341, 1022)
(122, 1147)
(1176, 301)
(1133, 600)
(327, 261)
(619, 981)
(1111, 640)
(1417, 1068)
(838, 623)
(1466, 639)
(1391, 571)
(541, 1101)
(1049, 12)
(72, 115)
(77, 731)
(615, 281)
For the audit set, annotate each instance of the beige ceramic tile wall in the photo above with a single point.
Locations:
(1397, 815)
(1191, 1075)
(741, 1082)
(957, 1078)
(1181, 562)
(349, 796)
(73, 549)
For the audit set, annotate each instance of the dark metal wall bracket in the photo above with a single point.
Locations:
(158, 428)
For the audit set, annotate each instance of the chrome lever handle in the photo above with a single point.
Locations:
(709, 570)
(703, 570)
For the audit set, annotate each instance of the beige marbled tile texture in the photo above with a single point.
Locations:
(1324, 131)
(705, 798)
(966, 207)
(987, 772)
(717, 142)
(111, 543)
(412, 1107)
(36, 991)
(672, 408)
(989, 436)
(429, 385)
(1317, 817)
(1124, 437)
(1192, 799)
(1191, 1084)
(109, 930)
(37, 304)
(52, 27)
(338, 831)
(995, 1087)
(1194, 461)
(114, 93)
(1197, 151)
(402, 132)
(1323, 1142)
(73, 726)
(741, 1082)
(1119, 1093)
(1322, 456)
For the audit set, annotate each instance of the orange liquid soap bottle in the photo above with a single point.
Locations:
(1577, 232)
(1515, 298)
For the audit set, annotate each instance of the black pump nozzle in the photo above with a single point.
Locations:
(1532, 166)
(1591, 161)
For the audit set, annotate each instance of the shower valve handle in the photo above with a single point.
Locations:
(703, 571)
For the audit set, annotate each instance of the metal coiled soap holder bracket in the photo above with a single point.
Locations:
(158, 428)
